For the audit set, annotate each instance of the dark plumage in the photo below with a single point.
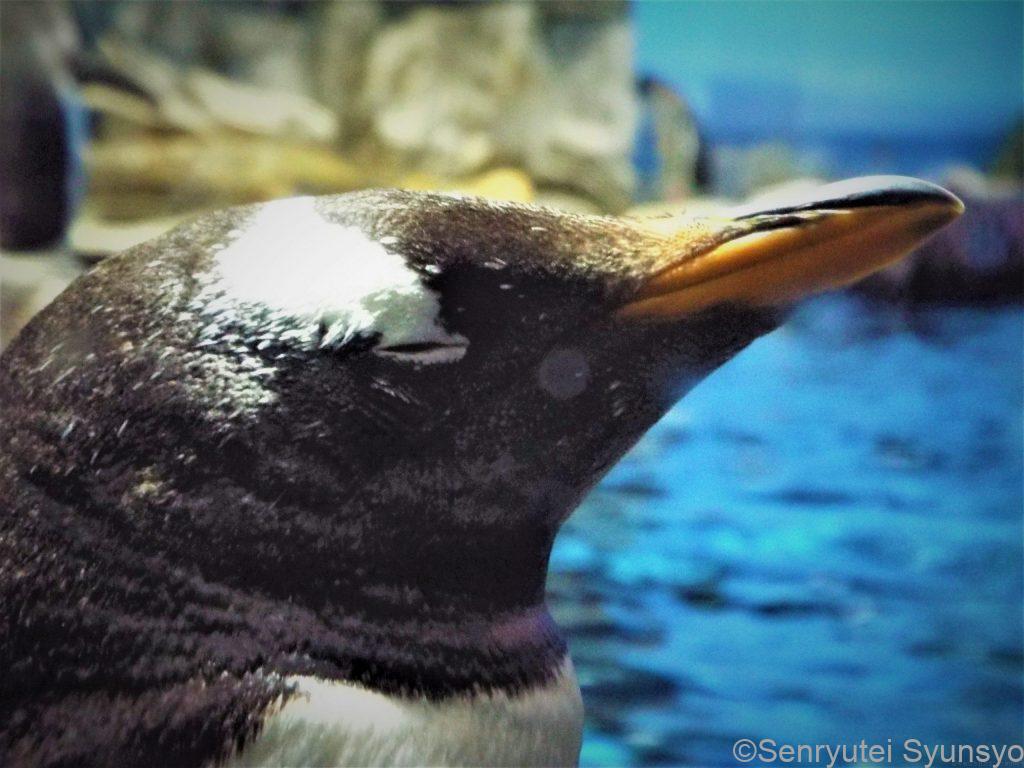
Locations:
(204, 492)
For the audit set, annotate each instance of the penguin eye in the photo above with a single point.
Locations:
(427, 352)
(414, 349)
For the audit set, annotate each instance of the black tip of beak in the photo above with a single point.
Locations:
(863, 192)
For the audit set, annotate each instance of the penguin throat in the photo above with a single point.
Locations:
(439, 658)
(507, 631)
(439, 620)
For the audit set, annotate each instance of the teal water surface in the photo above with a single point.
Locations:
(821, 543)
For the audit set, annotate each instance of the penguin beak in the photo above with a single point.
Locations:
(774, 254)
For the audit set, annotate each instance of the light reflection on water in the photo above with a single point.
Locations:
(821, 543)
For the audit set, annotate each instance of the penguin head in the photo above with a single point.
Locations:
(564, 335)
(397, 398)
(473, 368)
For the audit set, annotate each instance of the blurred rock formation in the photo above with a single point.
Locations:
(348, 95)
(452, 89)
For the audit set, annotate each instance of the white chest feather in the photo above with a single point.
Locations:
(340, 724)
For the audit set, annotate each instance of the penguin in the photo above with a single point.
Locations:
(280, 486)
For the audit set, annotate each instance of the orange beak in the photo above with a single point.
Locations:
(792, 248)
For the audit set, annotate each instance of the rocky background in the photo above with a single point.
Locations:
(121, 119)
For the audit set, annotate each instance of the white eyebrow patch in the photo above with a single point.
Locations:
(301, 278)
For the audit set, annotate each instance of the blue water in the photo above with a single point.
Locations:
(822, 543)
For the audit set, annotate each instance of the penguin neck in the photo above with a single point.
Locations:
(454, 612)
(522, 630)
(374, 625)
(439, 654)
(478, 616)
(423, 602)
